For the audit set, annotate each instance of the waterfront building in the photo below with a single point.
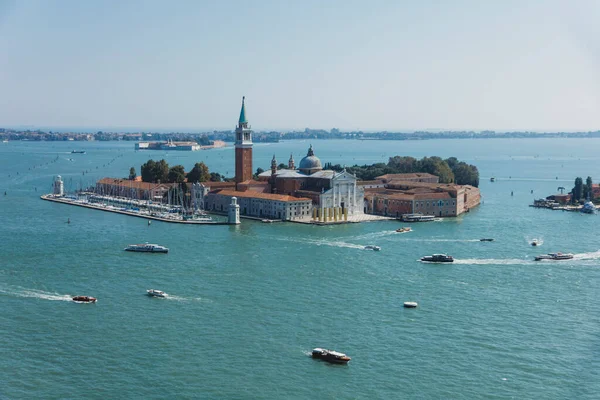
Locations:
(260, 205)
(406, 197)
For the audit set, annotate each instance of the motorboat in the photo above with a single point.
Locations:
(371, 247)
(330, 356)
(438, 258)
(535, 242)
(84, 299)
(554, 256)
(404, 229)
(147, 248)
(156, 293)
(78, 152)
(492, 179)
(486, 240)
(410, 304)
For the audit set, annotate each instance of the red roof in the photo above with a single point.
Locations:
(256, 195)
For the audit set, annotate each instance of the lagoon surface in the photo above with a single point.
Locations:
(250, 302)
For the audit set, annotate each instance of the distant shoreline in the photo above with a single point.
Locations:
(221, 138)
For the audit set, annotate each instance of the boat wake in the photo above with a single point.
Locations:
(184, 299)
(322, 242)
(492, 261)
(37, 294)
(443, 240)
(374, 235)
(595, 255)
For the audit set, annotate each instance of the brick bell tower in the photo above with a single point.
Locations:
(243, 147)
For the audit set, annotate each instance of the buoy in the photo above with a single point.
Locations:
(149, 222)
(68, 220)
(511, 193)
(410, 304)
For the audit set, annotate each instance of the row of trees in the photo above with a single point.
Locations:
(582, 191)
(160, 172)
(450, 170)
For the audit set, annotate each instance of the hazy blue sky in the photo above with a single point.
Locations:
(370, 65)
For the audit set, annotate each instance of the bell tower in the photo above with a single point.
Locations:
(243, 147)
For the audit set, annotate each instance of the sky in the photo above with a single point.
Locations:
(353, 65)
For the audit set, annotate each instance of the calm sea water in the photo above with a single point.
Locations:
(250, 302)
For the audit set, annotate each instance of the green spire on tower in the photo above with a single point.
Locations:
(243, 119)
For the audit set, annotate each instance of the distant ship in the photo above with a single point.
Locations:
(78, 152)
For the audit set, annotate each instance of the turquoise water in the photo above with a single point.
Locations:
(250, 302)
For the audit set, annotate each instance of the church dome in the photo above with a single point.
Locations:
(311, 163)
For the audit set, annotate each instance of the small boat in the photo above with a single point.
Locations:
(371, 247)
(156, 293)
(492, 179)
(78, 152)
(330, 356)
(84, 299)
(404, 229)
(554, 256)
(410, 304)
(486, 240)
(535, 242)
(147, 248)
(438, 258)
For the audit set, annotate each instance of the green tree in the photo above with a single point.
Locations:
(587, 189)
(436, 166)
(132, 174)
(161, 171)
(402, 165)
(215, 177)
(465, 174)
(199, 173)
(147, 171)
(577, 189)
(176, 174)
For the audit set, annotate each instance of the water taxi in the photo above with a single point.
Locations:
(402, 230)
(84, 299)
(330, 356)
(147, 248)
(156, 293)
(438, 258)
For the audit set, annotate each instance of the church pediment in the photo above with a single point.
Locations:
(344, 176)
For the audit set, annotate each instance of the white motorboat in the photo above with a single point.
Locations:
(156, 293)
(554, 256)
(147, 248)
